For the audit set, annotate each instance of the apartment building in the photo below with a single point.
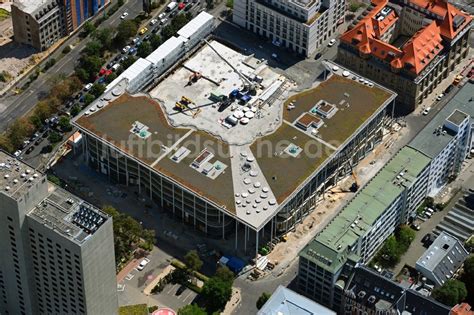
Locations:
(303, 26)
(409, 46)
(368, 292)
(442, 259)
(41, 23)
(389, 199)
(58, 250)
(448, 138)
(38, 23)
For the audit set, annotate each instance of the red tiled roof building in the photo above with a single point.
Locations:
(409, 46)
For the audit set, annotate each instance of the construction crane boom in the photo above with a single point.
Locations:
(243, 77)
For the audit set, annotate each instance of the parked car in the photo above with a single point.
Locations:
(124, 15)
(416, 227)
(126, 49)
(102, 70)
(173, 14)
(426, 111)
(426, 238)
(161, 16)
(135, 40)
(155, 30)
(123, 58)
(132, 51)
(318, 55)
(163, 21)
(138, 43)
(143, 263)
(29, 150)
(116, 67)
(439, 97)
(88, 86)
(143, 30)
(153, 22)
(181, 6)
(331, 42)
(17, 153)
(147, 37)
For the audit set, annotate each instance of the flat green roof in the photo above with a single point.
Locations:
(358, 216)
(355, 103)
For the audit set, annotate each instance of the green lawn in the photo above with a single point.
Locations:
(139, 309)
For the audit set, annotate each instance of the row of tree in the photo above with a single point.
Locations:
(128, 235)
(62, 89)
(395, 246)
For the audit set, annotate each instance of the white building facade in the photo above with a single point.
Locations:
(145, 70)
(302, 26)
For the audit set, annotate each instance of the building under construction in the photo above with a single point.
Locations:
(219, 144)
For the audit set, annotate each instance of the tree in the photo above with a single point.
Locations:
(82, 74)
(191, 309)
(55, 137)
(127, 232)
(18, 131)
(155, 41)
(6, 144)
(468, 278)
(216, 293)
(167, 32)
(389, 252)
(93, 48)
(125, 30)
(87, 28)
(230, 4)
(144, 49)
(192, 260)
(130, 61)
(263, 299)
(179, 21)
(110, 77)
(104, 36)
(88, 98)
(97, 89)
(76, 109)
(450, 293)
(405, 235)
(225, 274)
(65, 124)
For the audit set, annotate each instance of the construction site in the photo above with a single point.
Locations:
(225, 145)
(224, 93)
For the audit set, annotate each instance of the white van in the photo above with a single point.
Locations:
(115, 67)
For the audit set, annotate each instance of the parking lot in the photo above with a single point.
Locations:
(464, 180)
(130, 289)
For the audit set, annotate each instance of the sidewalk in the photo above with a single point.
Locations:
(285, 252)
(234, 302)
(126, 270)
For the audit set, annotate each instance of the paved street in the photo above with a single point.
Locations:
(14, 106)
